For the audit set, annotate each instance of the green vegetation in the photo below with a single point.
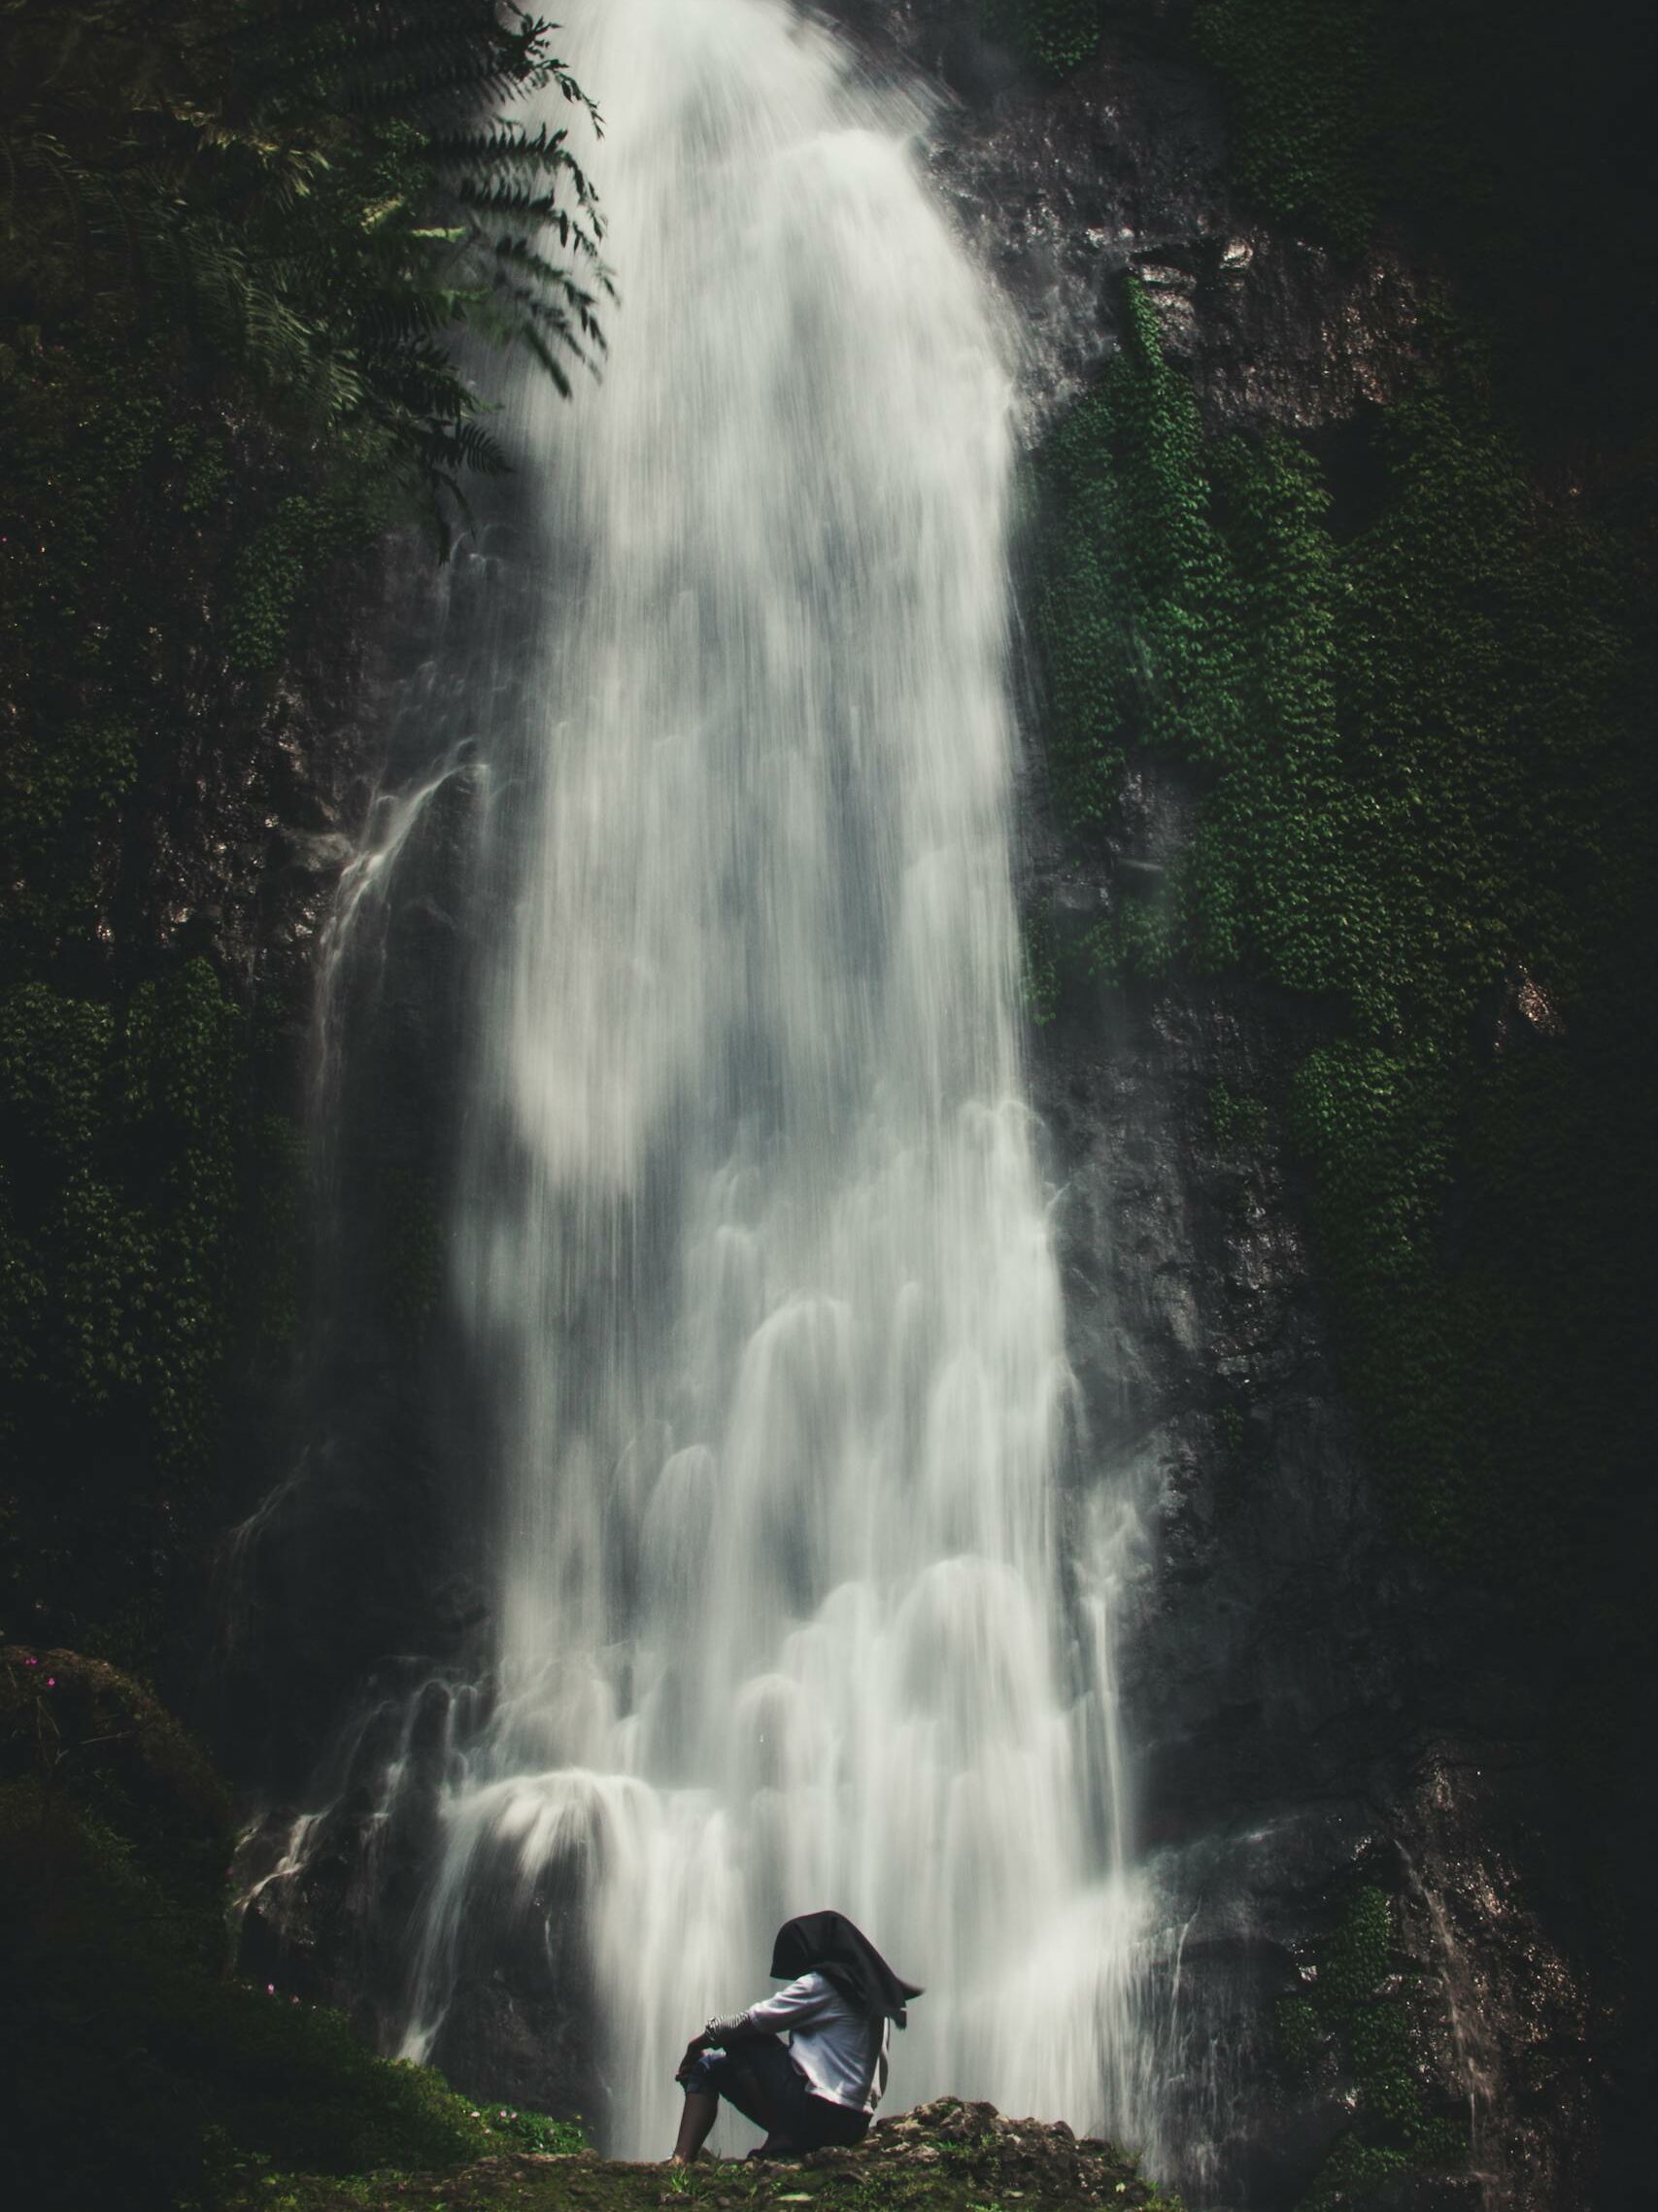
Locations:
(138, 2073)
(1236, 1120)
(591, 2185)
(240, 240)
(1059, 34)
(1406, 676)
(119, 1190)
(1295, 2035)
(1519, 160)
(1417, 745)
(984, 2174)
(1360, 2006)
(302, 200)
(1488, 1199)
(1038, 974)
(1306, 82)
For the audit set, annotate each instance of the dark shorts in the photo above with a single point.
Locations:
(761, 2064)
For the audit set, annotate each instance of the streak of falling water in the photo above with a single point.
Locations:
(755, 1244)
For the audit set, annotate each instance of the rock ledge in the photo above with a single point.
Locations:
(947, 2156)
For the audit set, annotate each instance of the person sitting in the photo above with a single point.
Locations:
(821, 2088)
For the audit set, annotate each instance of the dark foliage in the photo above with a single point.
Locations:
(137, 2071)
(310, 196)
(1514, 143)
(241, 237)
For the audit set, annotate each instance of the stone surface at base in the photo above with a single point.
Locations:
(946, 2156)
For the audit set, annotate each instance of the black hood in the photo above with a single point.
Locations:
(828, 1944)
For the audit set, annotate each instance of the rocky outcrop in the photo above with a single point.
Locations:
(362, 1548)
(1063, 187)
(971, 2153)
(948, 2154)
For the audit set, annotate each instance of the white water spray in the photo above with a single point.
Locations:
(754, 1240)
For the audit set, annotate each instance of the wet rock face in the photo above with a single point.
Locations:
(334, 1911)
(368, 1541)
(1063, 188)
(271, 782)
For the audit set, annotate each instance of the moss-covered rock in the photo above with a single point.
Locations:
(943, 2156)
(99, 1742)
(137, 2071)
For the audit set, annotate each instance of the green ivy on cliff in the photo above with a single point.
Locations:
(241, 237)
(1359, 2011)
(1519, 159)
(1136, 611)
(119, 1162)
(1426, 806)
(1058, 34)
(1302, 76)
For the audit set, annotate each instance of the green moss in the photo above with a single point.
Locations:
(101, 1738)
(138, 2073)
(1352, 2168)
(1136, 940)
(1302, 77)
(1039, 968)
(132, 1173)
(117, 1268)
(1360, 2005)
(1358, 1957)
(1295, 2035)
(117, 1129)
(1058, 34)
(1135, 609)
(413, 1245)
(278, 565)
(1236, 1121)
(959, 2178)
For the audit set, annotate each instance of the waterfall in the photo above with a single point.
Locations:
(800, 1600)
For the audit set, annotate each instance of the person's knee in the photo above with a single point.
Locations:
(751, 2099)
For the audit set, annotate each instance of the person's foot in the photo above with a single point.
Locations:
(774, 2147)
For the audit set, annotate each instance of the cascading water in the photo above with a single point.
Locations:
(794, 1608)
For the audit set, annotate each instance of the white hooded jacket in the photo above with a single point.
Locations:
(832, 2044)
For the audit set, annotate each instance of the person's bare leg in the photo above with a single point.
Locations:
(701, 2108)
